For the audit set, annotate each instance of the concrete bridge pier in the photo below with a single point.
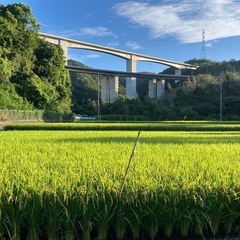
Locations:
(131, 82)
(64, 46)
(160, 88)
(152, 88)
(156, 88)
(109, 89)
(178, 72)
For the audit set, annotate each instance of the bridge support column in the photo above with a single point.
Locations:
(160, 88)
(65, 50)
(64, 46)
(156, 88)
(178, 72)
(152, 88)
(109, 89)
(131, 91)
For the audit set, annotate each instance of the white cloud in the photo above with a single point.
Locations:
(89, 32)
(211, 43)
(81, 58)
(92, 56)
(113, 44)
(95, 32)
(185, 19)
(132, 45)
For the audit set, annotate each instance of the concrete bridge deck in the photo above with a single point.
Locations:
(133, 57)
(114, 73)
(109, 85)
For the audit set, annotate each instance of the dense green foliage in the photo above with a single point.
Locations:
(197, 98)
(32, 73)
(65, 185)
(84, 90)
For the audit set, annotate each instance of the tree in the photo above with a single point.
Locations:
(49, 67)
(33, 67)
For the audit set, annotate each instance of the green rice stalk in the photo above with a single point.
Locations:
(185, 221)
(105, 205)
(70, 216)
(88, 212)
(169, 221)
(150, 222)
(120, 222)
(34, 219)
(15, 212)
(199, 222)
(135, 220)
(53, 212)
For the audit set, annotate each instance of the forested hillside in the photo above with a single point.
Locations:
(33, 77)
(195, 99)
(32, 72)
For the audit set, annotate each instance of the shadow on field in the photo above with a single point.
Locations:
(199, 138)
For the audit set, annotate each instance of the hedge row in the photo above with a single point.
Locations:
(128, 126)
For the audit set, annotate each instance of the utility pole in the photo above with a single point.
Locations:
(98, 97)
(221, 100)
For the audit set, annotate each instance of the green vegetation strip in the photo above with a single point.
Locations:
(64, 184)
(129, 126)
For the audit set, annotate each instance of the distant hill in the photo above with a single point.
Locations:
(84, 87)
(195, 99)
(206, 66)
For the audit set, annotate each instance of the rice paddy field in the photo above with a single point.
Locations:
(71, 184)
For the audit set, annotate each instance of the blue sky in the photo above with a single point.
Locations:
(169, 29)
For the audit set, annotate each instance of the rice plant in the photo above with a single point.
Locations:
(65, 184)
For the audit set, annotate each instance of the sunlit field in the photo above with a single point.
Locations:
(66, 184)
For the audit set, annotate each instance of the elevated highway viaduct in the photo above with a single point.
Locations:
(109, 86)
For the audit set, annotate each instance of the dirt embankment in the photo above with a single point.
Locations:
(2, 124)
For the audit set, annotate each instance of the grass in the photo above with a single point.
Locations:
(65, 184)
